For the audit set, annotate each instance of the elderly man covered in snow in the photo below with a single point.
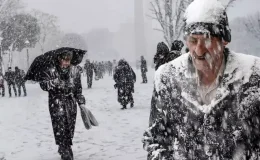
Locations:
(208, 104)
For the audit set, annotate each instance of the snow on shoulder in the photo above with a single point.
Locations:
(246, 65)
(206, 11)
(165, 70)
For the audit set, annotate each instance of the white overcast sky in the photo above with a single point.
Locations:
(83, 15)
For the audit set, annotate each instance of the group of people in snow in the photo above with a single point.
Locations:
(15, 80)
(99, 68)
(205, 103)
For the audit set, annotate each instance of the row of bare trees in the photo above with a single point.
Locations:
(20, 29)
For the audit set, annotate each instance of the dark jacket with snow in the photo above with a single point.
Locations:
(1, 81)
(125, 78)
(144, 66)
(124, 74)
(161, 56)
(65, 92)
(89, 67)
(227, 129)
(19, 76)
(10, 77)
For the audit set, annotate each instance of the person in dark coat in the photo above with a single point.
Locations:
(144, 69)
(125, 78)
(114, 66)
(110, 68)
(207, 100)
(2, 85)
(19, 80)
(89, 68)
(65, 92)
(10, 79)
(100, 70)
(162, 55)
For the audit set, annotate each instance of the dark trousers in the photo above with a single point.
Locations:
(125, 95)
(89, 80)
(63, 117)
(144, 77)
(2, 88)
(19, 86)
(9, 88)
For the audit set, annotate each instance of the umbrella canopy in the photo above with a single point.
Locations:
(43, 62)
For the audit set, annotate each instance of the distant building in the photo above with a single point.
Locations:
(140, 39)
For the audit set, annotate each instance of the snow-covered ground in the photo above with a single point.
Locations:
(26, 131)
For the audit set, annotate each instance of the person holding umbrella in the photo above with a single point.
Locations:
(60, 77)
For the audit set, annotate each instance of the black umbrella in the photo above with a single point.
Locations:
(42, 63)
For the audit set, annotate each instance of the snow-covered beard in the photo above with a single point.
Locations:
(206, 56)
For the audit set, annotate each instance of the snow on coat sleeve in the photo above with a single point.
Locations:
(78, 90)
(160, 139)
(48, 85)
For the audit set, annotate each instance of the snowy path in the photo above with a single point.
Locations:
(26, 131)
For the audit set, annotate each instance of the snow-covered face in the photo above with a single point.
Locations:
(206, 52)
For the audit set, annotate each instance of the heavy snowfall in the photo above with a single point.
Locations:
(26, 129)
(151, 79)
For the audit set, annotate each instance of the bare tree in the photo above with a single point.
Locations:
(169, 14)
(8, 8)
(48, 25)
(252, 24)
(229, 3)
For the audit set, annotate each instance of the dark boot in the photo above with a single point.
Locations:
(132, 104)
(124, 107)
(66, 153)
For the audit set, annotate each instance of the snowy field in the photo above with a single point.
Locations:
(26, 131)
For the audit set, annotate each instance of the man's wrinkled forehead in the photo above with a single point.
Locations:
(197, 36)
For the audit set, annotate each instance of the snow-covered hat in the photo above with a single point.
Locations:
(207, 16)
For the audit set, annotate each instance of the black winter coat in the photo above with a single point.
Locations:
(227, 129)
(89, 67)
(144, 66)
(125, 78)
(19, 76)
(124, 74)
(65, 92)
(10, 77)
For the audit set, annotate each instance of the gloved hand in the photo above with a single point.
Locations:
(56, 82)
(60, 84)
